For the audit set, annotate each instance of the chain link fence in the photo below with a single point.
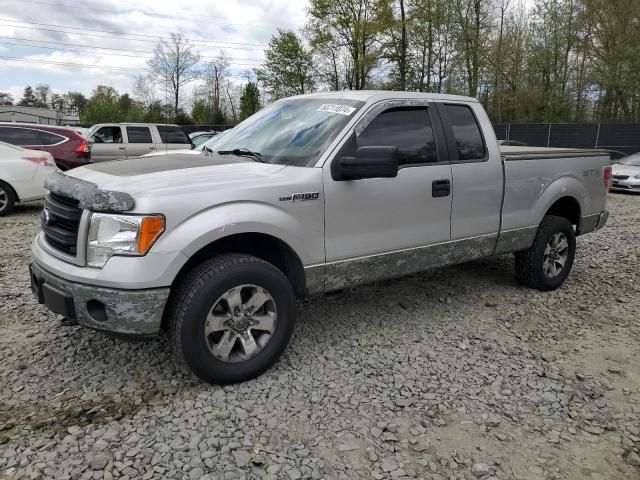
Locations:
(621, 137)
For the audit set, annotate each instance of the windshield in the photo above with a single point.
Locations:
(290, 132)
(210, 142)
(633, 160)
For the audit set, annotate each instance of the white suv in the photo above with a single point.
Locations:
(112, 141)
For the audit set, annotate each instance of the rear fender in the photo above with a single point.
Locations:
(565, 186)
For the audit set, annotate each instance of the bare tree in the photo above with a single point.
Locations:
(144, 90)
(174, 63)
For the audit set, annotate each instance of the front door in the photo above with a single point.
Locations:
(380, 228)
(107, 144)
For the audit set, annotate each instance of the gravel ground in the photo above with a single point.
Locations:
(458, 373)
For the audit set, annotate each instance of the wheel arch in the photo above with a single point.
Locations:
(567, 207)
(261, 245)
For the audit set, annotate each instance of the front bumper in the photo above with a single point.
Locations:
(625, 186)
(125, 312)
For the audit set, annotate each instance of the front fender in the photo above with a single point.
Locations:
(302, 232)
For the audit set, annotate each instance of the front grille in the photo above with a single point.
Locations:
(621, 177)
(61, 222)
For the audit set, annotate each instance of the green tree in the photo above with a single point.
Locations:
(6, 98)
(57, 102)
(156, 112)
(288, 67)
(183, 118)
(75, 102)
(202, 113)
(42, 92)
(28, 98)
(249, 100)
(103, 106)
(354, 27)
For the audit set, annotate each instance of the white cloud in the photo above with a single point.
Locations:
(214, 27)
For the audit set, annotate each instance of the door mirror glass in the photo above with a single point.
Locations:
(369, 162)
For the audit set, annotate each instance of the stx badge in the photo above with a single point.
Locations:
(300, 196)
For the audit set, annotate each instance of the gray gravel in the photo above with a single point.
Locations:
(458, 373)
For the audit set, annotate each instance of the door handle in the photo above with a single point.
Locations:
(441, 188)
(120, 148)
(152, 148)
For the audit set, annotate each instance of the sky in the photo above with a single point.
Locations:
(109, 42)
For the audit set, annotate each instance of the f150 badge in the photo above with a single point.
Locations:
(301, 196)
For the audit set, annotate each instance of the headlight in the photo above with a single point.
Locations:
(130, 235)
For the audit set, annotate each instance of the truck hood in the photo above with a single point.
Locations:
(145, 175)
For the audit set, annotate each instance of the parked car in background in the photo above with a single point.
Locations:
(22, 175)
(81, 130)
(198, 138)
(112, 141)
(626, 174)
(615, 155)
(206, 147)
(68, 148)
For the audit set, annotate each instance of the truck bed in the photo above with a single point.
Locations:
(531, 153)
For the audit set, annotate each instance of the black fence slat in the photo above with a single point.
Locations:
(621, 137)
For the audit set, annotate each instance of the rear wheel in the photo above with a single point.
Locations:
(7, 199)
(547, 264)
(232, 317)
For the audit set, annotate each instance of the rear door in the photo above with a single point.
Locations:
(108, 144)
(379, 227)
(139, 141)
(173, 137)
(477, 177)
(20, 136)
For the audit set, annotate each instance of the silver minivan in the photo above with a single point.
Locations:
(111, 141)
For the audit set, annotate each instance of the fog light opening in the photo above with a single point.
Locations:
(97, 310)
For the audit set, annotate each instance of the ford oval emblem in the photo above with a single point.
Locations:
(46, 217)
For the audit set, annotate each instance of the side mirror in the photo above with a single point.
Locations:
(369, 162)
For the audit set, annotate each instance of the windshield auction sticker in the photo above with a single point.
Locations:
(341, 109)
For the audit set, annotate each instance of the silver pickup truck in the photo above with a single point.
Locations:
(311, 194)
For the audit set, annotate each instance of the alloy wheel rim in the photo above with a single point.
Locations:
(4, 199)
(240, 323)
(556, 254)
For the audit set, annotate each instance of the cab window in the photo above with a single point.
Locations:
(108, 135)
(407, 128)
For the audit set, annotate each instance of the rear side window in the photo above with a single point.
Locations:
(108, 135)
(19, 136)
(409, 129)
(48, 138)
(170, 134)
(466, 132)
(139, 135)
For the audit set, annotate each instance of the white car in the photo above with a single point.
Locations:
(626, 174)
(206, 147)
(22, 175)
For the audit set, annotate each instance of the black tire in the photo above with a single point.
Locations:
(194, 299)
(7, 199)
(529, 264)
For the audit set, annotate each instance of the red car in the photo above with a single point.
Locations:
(68, 148)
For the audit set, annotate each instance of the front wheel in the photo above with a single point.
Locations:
(547, 264)
(231, 318)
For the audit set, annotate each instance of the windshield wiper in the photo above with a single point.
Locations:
(243, 152)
